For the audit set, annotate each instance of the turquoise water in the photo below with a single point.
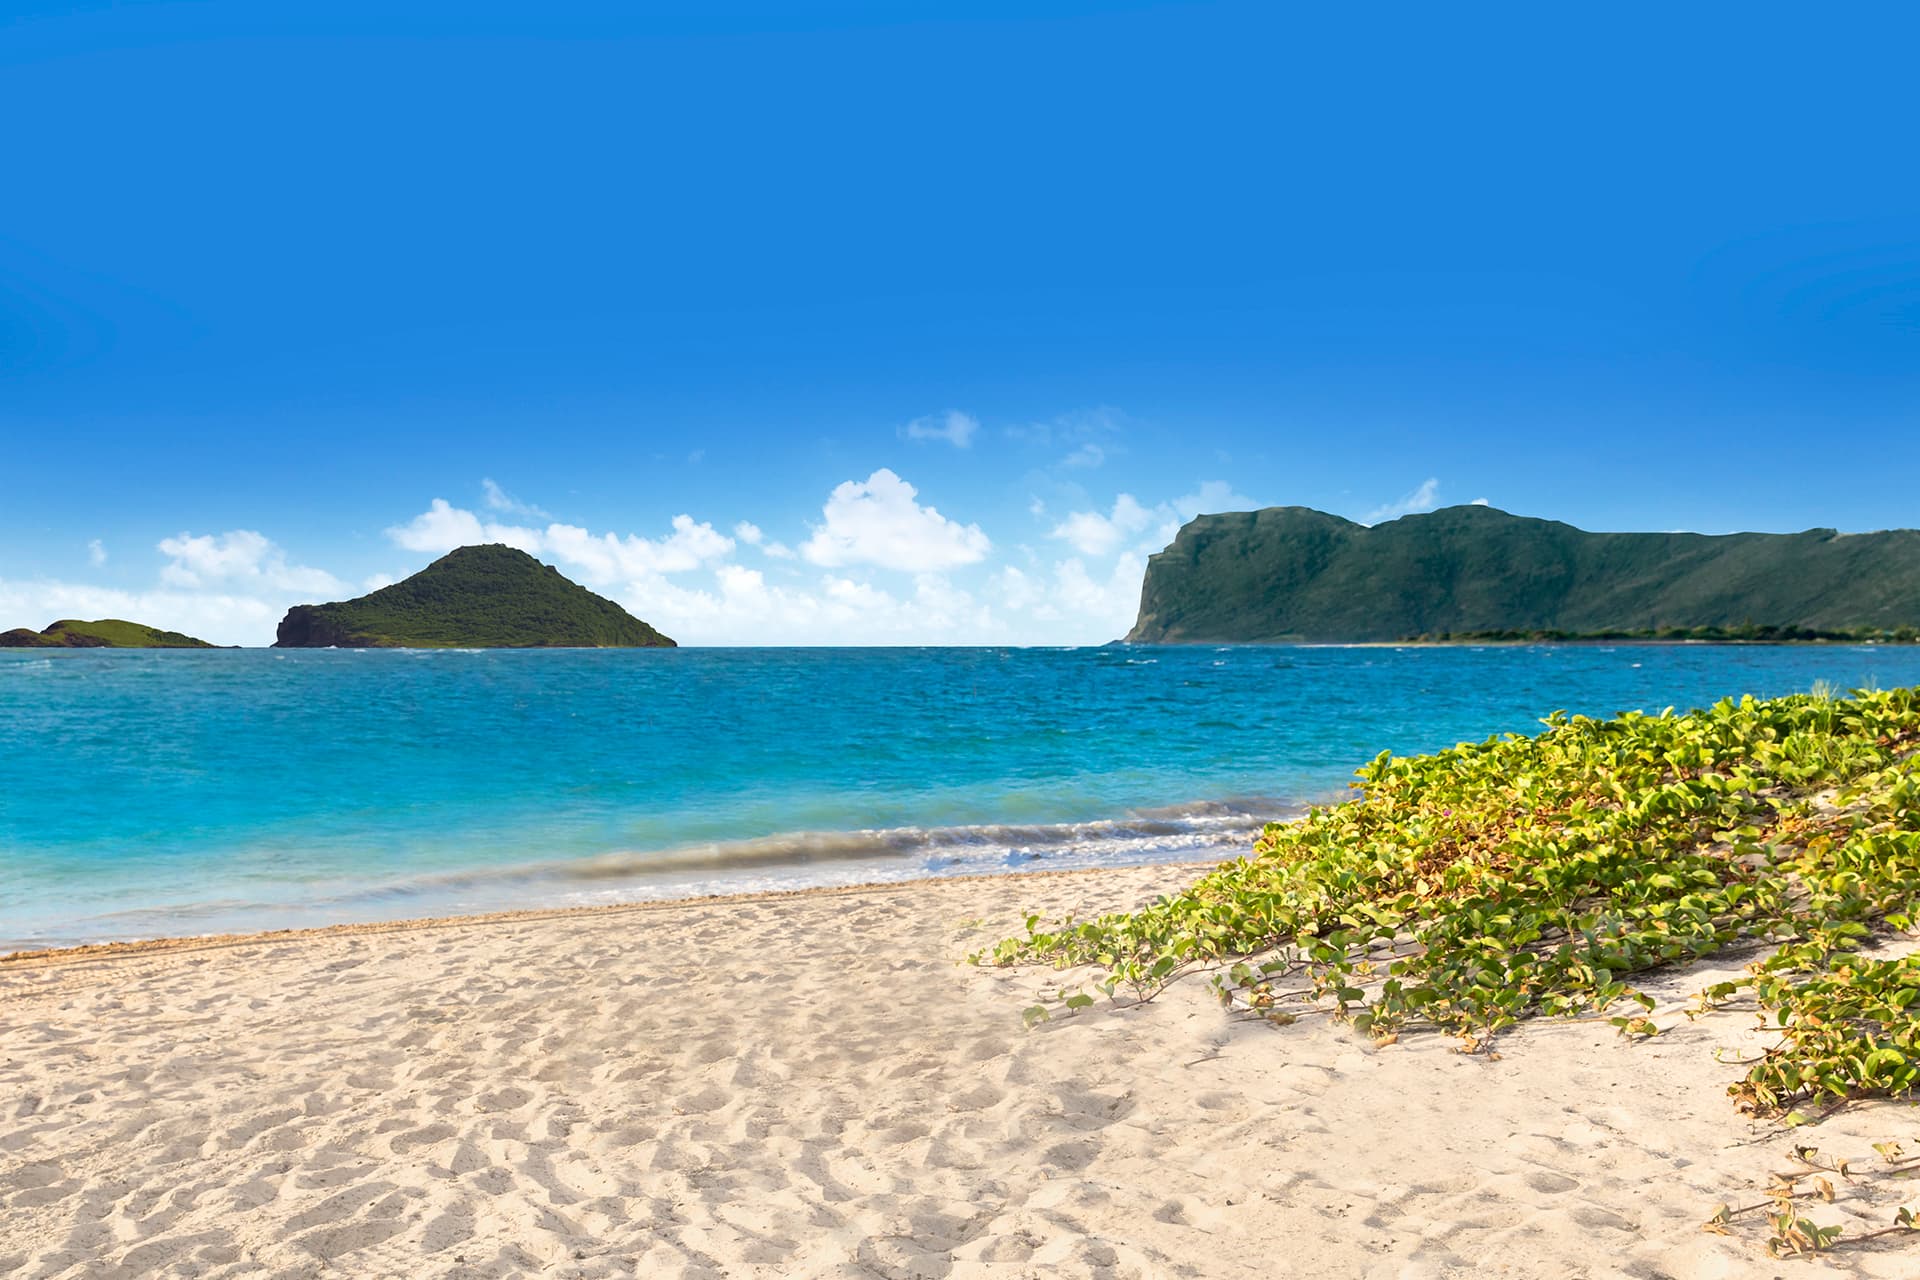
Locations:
(147, 793)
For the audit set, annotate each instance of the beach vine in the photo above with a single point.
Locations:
(1465, 890)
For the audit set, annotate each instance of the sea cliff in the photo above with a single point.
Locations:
(1295, 574)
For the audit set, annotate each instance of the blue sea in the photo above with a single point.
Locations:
(147, 793)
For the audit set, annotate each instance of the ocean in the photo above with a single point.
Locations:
(151, 793)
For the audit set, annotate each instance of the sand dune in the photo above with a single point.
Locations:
(811, 1085)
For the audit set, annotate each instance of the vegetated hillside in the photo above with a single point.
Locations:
(486, 597)
(1295, 574)
(106, 633)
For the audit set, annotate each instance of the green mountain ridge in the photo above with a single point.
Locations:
(105, 633)
(482, 597)
(1285, 574)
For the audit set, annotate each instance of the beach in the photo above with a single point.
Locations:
(817, 1084)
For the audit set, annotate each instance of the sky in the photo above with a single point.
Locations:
(845, 323)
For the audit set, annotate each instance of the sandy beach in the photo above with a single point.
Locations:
(815, 1084)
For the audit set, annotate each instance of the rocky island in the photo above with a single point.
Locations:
(1293, 574)
(483, 597)
(105, 633)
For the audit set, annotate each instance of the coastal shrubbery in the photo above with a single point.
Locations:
(1524, 876)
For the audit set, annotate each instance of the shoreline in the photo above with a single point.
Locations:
(49, 957)
(813, 1083)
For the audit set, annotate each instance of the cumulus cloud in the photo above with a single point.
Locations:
(1069, 603)
(738, 605)
(1211, 498)
(96, 553)
(879, 522)
(1094, 534)
(598, 558)
(1425, 498)
(953, 426)
(609, 557)
(1133, 524)
(1017, 589)
(239, 557)
(753, 535)
(443, 526)
(499, 499)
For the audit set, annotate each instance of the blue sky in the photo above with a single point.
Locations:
(958, 310)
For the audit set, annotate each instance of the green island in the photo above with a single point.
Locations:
(483, 597)
(1523, 877)
(105, 633)
(1475, 573)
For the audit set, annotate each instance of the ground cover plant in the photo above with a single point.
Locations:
(1522, 876)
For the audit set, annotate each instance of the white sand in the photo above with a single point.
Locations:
(811, 1085)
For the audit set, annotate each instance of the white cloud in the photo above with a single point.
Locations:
(609, 557)
(96, 553)
(953, 426)
(1016, 589)
(863, 597)
(1211, 498)
(443, 526)
(376, 581)
(1067, 603)
(1106, 605)
(1425, 498)
(1093, 534)
(499, 499)
(1088, 455)
(737, 605)
(1145, 528)
(1480, 502)
(878, 522)
(754, 536)
(238, 557)
(598, 558)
